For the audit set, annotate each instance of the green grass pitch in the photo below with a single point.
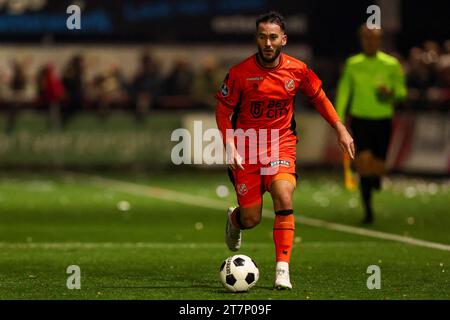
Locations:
(133, 245)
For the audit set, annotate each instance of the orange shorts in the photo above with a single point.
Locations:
(251, 183)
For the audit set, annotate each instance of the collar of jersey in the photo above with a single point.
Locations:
(255, 58)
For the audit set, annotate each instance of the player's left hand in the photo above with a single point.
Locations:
(345, 140)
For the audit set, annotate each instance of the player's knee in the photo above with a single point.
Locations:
(283, 201)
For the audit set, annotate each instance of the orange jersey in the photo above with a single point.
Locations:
(263, 98)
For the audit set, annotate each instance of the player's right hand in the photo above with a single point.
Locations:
(345, 140)
(234, 159)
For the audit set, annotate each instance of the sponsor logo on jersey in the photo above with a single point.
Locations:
(280, 162)
(255, 79)
(289, 84)
(272, 109)
(242, 189)
(257, 108)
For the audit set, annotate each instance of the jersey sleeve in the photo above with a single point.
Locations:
(229, 91)
(310, 84)
(324, 106)
(228, 97)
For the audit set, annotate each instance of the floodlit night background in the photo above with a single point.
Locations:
(86, 176)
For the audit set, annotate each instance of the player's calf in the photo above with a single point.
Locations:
(233, 233)
(240, 219)
(283, 236)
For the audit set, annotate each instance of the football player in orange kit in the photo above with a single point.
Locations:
(258, 94)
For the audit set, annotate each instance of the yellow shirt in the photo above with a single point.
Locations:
(359, 83)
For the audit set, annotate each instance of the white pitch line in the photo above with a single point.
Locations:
(114, 245)
(373, 233)
(157, 245)
(193, 200)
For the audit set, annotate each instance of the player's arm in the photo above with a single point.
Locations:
(343, 92)
(311, 86)
(227, 98)
(223, 114)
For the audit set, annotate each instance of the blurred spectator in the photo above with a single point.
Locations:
(430, 57)
(439, 94)
(205, 84)
(73, 80)
(18, 86)
(3, 86)
(180, 79)
(418, 78)
(145, 86)
(110, 91)
(444, 59)
(427, 74)
(178, 86)
(51, 94)
(443, 81)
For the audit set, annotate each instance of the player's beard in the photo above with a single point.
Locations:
(275, 56)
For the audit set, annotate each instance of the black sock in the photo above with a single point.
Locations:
(366, 185)
(376, 182)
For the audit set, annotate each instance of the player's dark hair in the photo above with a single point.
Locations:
(272, 17)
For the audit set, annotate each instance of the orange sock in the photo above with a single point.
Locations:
(283, 234)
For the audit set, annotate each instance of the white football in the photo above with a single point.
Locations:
(239, 273)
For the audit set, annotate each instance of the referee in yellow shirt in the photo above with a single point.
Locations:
(371, 82)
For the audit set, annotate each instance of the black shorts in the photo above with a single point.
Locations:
(373, 135)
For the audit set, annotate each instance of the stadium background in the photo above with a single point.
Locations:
(116, 121)
(200, 39)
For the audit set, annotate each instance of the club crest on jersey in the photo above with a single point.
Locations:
(289, 84)
(242, 189)
(224, 90)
